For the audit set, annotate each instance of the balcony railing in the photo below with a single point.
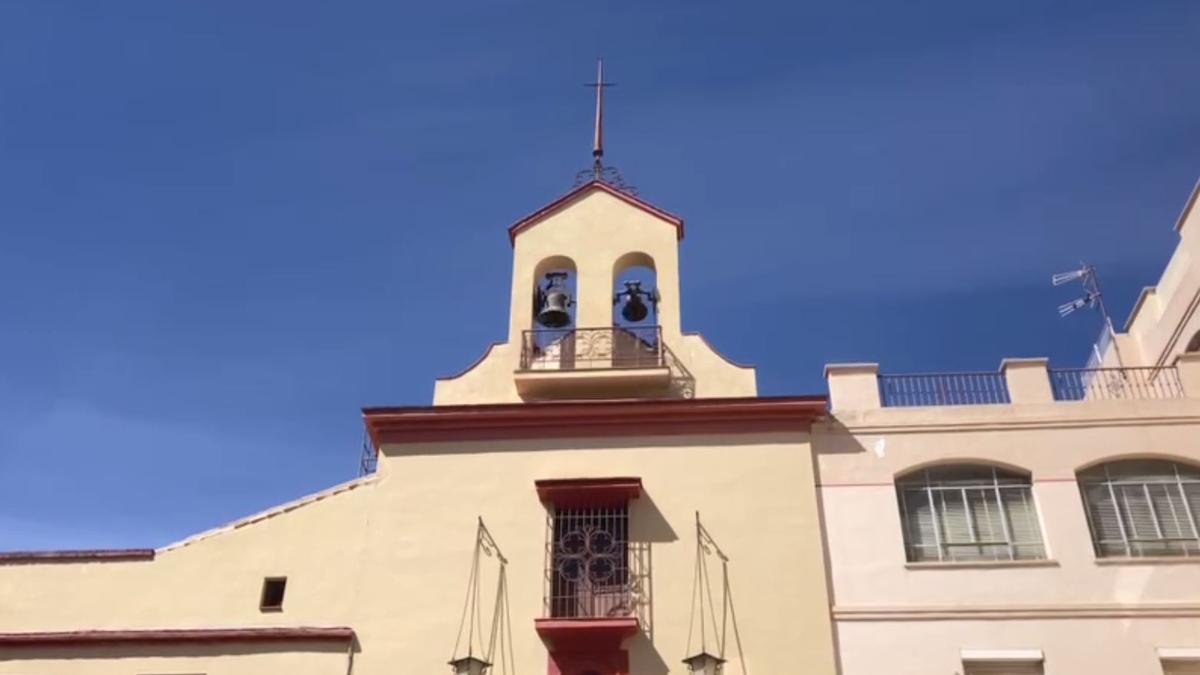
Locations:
(1090, 384)
(613, 347)
(943, 389)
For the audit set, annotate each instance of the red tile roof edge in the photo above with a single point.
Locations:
(94, 555)
(535, 217)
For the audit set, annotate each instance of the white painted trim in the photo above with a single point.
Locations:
(1179, 654)
(1003, 655)
(1011, 612)
(850, 368)
(1187, 208)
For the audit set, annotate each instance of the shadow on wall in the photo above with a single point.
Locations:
(644, 658)
(598, 443)
(834, 438)
(648, 526)
(831, 437)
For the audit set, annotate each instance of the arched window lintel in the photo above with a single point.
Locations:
(917, 471)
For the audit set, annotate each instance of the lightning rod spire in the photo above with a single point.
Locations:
(598, 133)
(600, 173)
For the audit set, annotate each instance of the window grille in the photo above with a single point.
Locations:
(969, 513)
(1143, 507)
(588, 554)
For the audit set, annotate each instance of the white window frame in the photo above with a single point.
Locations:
(1002, 660)
(935, 495)
(1134, 542)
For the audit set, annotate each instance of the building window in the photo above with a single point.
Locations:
(589, 554)
(1000, 668)
(966, 513)
(1142, 507)
(271, 599)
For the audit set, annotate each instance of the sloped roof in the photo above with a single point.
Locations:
(274, 511)
(554, 206)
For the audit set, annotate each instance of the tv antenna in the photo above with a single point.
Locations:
(1092, 298)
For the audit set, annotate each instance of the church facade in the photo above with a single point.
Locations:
(649, 507)
(603, 493)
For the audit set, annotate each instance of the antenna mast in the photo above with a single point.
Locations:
(1093, 298)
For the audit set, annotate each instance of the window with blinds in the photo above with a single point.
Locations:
(966, 513)
(1142, 507)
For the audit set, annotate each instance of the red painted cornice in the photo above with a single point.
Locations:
(586, 419)
(176, 636)
(533, 218)
(97, 555)
(578, 492)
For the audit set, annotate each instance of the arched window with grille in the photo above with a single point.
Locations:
(1142, 507)
(968, 513)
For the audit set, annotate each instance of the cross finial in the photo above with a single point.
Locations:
(598, 138)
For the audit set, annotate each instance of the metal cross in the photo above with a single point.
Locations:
(599, 84)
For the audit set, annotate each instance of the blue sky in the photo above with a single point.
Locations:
(226, 227)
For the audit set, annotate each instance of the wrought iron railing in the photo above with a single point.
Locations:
(592, 348)
(943, 389)
(593, 570)
(1088, 384)
(369, 457)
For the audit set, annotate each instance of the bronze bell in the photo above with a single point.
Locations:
(555, 300)
(636, 299)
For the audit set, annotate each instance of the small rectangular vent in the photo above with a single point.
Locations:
(272, 594)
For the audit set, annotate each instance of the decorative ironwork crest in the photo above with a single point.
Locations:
(589, 554)
(608, 175)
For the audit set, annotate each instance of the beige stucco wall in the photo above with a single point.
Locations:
(1087, 616)
(390, 557)
(595, 230)
(1074, 647)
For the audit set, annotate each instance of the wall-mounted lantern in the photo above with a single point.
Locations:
(469, 665)
(704, 663)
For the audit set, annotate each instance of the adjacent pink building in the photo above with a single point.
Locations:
(1030, 520)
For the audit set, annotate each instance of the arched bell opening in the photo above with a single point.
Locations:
(551, 340)
(554, 293)
(636, 334)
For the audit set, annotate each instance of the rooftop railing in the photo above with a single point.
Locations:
(943, 389)
(612, 347)
(1091, 384)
